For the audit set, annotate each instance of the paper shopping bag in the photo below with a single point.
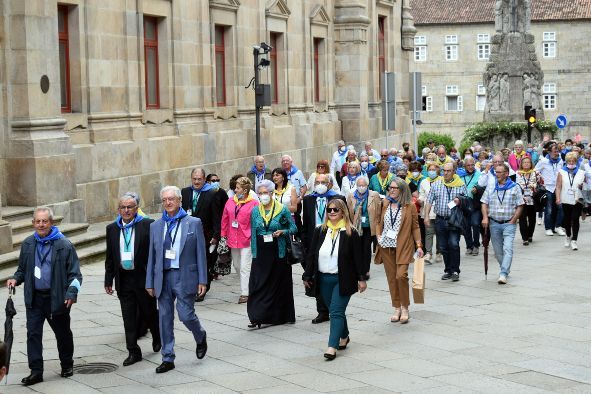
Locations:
(418, 281)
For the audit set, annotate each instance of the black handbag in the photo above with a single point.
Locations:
(295, 250)
(540, 198)
(223, 264)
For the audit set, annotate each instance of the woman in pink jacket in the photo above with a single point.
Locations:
(236, 229)
(516, 156)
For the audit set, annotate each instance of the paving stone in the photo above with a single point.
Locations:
(559, 369)
(245, 381)
(540, 380)
(322, 381)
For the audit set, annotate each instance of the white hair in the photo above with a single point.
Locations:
(174, 189)
(519, 143)
(44, 209)
(286, 157)
(364, 178)
(130, 196)
(265, 183)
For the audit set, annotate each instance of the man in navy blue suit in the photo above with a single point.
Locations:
(177, 269)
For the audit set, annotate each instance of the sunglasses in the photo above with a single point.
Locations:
(333, 210)
(393, 188)
(214, 180)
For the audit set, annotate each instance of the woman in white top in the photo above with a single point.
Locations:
(569, 183)
(336, 268)
(348, 183)
(284, 192)
(322, 168)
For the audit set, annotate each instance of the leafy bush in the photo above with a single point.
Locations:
(439, 139)
(487, 131)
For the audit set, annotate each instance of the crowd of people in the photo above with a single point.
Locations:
(392, 206)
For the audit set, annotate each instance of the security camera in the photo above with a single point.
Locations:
(266, 47)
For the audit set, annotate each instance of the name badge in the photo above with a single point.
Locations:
(571, 192)
(170, 254)
(37, 272)
(126, 256)
(451, 204)
(211, 248)
(189, 212)
(235, 223)
(391, 234)
(363, 219)
(268, 238)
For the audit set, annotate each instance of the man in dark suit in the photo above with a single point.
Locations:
(177, 269)
(199, 200)
(313, 214)
(128, 240)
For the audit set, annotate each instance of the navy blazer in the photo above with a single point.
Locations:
(192, 260)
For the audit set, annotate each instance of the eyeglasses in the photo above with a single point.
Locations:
(393, 188)
(333, 210)
(167, 199)
(127, 207)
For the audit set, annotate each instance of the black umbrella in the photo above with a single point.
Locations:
(8, 333)
(485, 243)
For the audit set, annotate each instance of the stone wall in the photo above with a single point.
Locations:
(110, 143)
(570, 70)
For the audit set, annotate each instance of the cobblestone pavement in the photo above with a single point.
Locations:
(531, 335)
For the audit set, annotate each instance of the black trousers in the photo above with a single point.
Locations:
(133, 299)
(366, 242)
(571, 223)
(211, 258)
(59, 323)
(527, 222)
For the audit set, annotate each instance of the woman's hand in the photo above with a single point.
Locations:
(362, 285)
(278, 233)
(307, 284)
(420, 252)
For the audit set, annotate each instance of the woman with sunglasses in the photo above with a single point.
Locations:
(336, 268)
(399, 237)
(322, 168)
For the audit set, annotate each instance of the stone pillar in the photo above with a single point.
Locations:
(5, 233)
(351, 30)
(408, 27)
(40, 165)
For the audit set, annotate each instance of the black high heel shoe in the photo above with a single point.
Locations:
(343, 347)
(330, 357)
(253, 325)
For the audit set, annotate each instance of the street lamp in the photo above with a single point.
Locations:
(262, 91)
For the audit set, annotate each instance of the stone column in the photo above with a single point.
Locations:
(5, 233)
(40, 165)
(351, 30)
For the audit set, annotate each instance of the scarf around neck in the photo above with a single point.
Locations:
(293, 170)
(206, 187)
(53, 235)
(433, 180)
(525, 172)
(238, 202)
(275, 210)
(551, 160)
(138, 218)
(509, 184)
(336, 228)
(329, 193)
(171, 220)
(574, 170)
(456, 181)
(254, 170)
(361, 197)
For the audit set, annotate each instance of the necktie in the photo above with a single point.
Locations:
(321, 203)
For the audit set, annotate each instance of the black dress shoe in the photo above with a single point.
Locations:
(202, 347)
(199, 298)
(343, 347)
(156, 346)
(32, 379)
(132, 359)
(330, 357)
(165, 367)
(320, 319)
(455, 277)
(67, 372)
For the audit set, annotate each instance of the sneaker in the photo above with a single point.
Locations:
(502, 280)
(455, 277)
(549, 233)
(438, 258)
(446, 276)
(474, 251)
(469, 252)
(428, 257)
(573, 245)
(560, 231)
(525, 242)
(539, 221)
(567, 242)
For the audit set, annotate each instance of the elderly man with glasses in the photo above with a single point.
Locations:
(128, 241)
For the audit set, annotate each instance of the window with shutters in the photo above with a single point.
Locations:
(151, 62)
(64, 58)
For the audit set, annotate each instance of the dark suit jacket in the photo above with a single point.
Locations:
(350, 260)
(309, 217)
(207, 210)
(141, 246)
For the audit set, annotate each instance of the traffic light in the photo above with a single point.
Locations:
(530, 117)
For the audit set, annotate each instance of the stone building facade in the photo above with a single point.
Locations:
(100, 97)
(453, 44)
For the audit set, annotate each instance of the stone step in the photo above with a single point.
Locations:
(68, 229)
(12, 214)
(21, 226)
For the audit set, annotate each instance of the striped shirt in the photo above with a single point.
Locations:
(440, 196)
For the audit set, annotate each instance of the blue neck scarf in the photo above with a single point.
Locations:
(361, 197)
(553, 161)
(392, 200)
(509, 184)
(138, 218)
(352, 178)
(206, 187)
(172, 220)
(492, 171)
(257, 172)
(342, 153)
(53, 235)
(294, 169)
(574, 171)
(329, 193)
(370, 167)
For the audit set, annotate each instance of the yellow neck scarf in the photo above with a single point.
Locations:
(526, 172)
(280, 193)
(384, 182)
(520, 154)
(456, 181)
(434, 180)
(336, 228)
(275, 210)
(249, 198)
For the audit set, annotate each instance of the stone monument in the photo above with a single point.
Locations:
(513, 76)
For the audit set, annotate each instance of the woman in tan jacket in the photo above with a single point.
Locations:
(398, 236)
(364, 210)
